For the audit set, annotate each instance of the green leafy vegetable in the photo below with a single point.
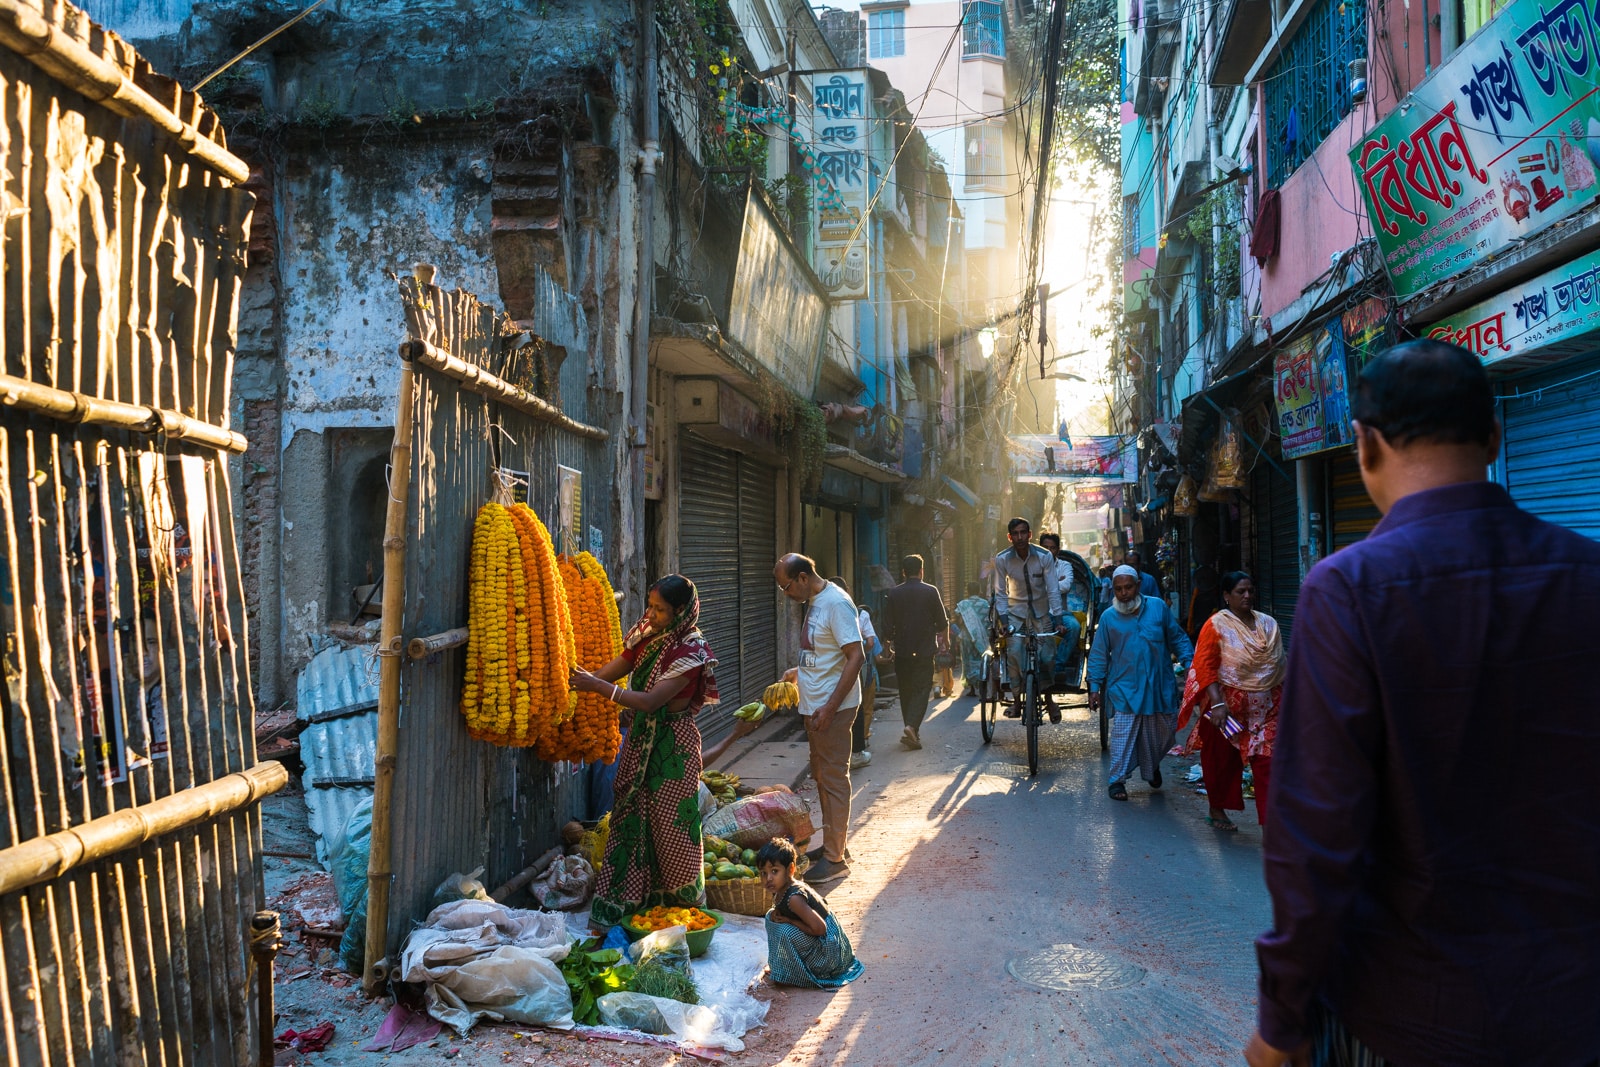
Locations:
(590, 975)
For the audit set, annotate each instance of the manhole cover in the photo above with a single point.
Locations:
(1068, 967)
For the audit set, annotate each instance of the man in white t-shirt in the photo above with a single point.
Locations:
(829, 678)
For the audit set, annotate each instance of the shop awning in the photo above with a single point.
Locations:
(963, 494)
(848, 459)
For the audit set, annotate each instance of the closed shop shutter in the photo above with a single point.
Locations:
(758, 593)
(708, 541)
(1352, 514)
(1275, 517)
(1552, 449)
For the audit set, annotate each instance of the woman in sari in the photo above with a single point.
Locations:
(1237, 674)
(653, 852)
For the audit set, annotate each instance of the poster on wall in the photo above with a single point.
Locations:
(1366, 332)
(1502, 140)
(841, 146)
(1311, 393)
(570, 530)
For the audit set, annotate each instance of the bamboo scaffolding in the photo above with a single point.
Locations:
(45, 858)
(423, 647)
(480, 381)
(78, 408)
(380, 866)
(27, 32)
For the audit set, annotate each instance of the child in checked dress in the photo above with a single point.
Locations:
(805, 944)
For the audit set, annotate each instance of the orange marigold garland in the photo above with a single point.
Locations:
(595, 732)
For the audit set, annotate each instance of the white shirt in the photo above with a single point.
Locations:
(869, 636)
(831, 624)
(1026, 587)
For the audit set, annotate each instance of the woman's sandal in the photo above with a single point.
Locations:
(1118, 791)
(1227, 826)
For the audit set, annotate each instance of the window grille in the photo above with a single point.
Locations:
(986, 157)
(982, 31)
(886, 34)
(1130, 227)
(1308, 88)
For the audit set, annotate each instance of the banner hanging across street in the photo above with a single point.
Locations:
(1047, 458)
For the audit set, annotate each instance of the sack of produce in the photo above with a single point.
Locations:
(753, 821)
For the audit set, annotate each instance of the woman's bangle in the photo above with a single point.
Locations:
(614, 691)
(1214, 707)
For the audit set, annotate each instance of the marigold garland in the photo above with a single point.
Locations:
(594, 733)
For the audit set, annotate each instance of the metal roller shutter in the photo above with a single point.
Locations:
(708, 542)
(1552, 449)
(758, 594)
(1275, 511)
(1353, 514)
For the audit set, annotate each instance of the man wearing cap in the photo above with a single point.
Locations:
(1130, 669)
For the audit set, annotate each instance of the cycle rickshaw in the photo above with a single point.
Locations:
(1039, 679)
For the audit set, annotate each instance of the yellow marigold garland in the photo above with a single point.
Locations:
(594, 732)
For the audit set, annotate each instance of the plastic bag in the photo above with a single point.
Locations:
(350, 856)
(1229, 453)
(1185, 503)
(566, 885)
(751, 822)
(708, 803)
(667, 948)
(692, 1024)
(460, 887)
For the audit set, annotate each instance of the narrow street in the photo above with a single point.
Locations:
(964, 865)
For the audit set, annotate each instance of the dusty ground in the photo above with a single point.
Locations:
(963, 864)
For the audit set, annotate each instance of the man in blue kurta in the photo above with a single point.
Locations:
(1130, 669)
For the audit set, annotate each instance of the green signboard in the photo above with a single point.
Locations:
(1498, 143)
(1544, 316)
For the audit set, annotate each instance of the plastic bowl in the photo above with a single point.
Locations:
(699, 940)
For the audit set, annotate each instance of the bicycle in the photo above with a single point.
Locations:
(1032, 688)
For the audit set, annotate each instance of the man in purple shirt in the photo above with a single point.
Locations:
(1434, 858)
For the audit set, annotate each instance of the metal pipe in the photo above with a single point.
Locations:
(380, 865)
(43, 859)
(644, 290)
(265, 941)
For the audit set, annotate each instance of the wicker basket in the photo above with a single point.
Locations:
(745, 896)
(741, 896)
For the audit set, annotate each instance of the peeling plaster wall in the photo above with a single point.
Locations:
(350, 217)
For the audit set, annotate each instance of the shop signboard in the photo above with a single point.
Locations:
(1498, 143)
(841, 164)
(778, 311)
(1090, 497)
(1294, 377)
(1366, 332)
(1047, 458)
(1546, 313)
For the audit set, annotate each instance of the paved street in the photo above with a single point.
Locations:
(964, 864)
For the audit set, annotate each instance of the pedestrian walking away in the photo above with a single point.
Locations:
(915, 630)
(829, 679)
(806, 946)
(1130, 669)
(1235, 686)
(1434, 853)
(1026, 595)
(871, 649)
(653, 853)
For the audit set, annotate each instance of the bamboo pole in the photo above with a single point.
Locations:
(477, 380)
(52, 49)
(265, 941)
(527, 875)
(46, 858)
(379, 867)
(423, 647)
(78, 408)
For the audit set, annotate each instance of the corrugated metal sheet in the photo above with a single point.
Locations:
(460, 803)
(758, 593)
(120, 263)
(337, 680)
(1552, 449)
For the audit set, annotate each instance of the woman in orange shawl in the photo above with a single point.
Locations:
(1236, 680)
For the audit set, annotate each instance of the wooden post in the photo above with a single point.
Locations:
(423, 647)
(379, 866)
(265, 941)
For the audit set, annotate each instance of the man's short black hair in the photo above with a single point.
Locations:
(911, 564)
(1426, 391)
(1011, 527)
(1050, 536)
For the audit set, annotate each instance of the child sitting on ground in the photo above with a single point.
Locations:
(805, 944)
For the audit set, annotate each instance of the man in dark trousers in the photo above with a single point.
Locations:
(914, 629)
(1434, 856)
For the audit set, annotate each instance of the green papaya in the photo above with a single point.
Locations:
(748, 857)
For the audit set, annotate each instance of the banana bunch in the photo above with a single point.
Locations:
(754, 711)
(781, 696)
(725, 787)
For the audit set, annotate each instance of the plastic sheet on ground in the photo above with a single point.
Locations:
(724, 976)
(482, 960)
